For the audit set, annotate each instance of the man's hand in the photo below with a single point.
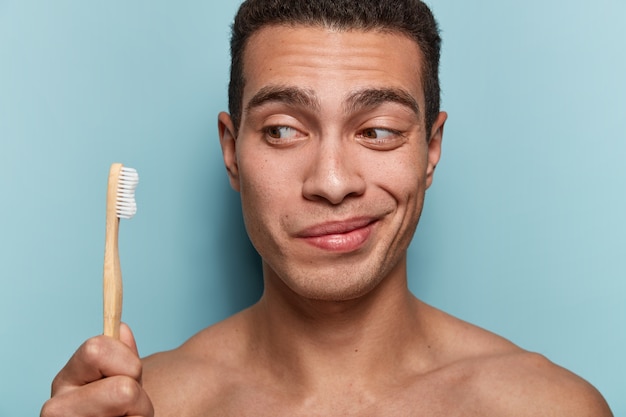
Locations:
(102, 379)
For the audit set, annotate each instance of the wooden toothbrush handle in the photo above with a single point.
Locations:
(112, 277)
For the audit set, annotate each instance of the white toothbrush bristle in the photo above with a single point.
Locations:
(125, 205)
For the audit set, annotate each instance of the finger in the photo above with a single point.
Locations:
(109, 397)
(126, 336)
(98, 357)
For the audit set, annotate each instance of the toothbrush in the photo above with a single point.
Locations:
(120, 205)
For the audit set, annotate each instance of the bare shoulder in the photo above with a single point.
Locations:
(497, 377)
(194, 376)
(524, 383)
(508, 380)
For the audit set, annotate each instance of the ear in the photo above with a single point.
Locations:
(434, 146)
(228, 142)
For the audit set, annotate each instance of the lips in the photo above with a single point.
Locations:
(341, 236)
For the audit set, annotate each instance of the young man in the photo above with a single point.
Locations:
(333, 137)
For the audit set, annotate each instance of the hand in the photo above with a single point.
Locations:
(102, 379)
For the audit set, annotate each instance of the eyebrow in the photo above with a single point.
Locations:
(359, 100)
(372, 97)
(293, 96)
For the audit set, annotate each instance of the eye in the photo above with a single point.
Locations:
(376, 133)
(282, 134)
(381, 138)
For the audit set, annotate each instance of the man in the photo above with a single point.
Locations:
(333, 137)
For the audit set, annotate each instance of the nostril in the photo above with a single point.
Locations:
(334, 182)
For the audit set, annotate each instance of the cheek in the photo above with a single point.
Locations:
(257, 211)
(264, 192)
(267, 176)
(403, 177)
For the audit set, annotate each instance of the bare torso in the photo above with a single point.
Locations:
(468, 372)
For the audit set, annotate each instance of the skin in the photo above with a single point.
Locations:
(332, 160)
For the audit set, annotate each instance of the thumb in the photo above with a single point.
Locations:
(126, 336)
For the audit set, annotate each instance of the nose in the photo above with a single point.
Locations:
(334, 174)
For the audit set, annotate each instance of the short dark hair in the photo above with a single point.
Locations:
(410, 17)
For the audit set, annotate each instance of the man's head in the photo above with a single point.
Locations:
(332, 157)
(333, 138)
(409, 17)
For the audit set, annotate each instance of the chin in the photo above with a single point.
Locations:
(335, 286)
(333, 280)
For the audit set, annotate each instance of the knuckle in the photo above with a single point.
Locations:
(126, 391)
(92, 349)
(50, 409)
(56, 384)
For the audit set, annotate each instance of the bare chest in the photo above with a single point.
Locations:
(419, 400)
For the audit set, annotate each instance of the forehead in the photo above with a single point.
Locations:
(326, 60)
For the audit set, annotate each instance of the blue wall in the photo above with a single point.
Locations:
(523, 231)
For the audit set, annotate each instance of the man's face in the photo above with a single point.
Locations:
(332, 158)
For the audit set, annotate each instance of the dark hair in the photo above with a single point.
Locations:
(410, 17)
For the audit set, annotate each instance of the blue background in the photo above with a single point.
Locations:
(523, 231)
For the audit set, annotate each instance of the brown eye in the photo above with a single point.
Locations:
(282, 135)
(274, 132)
(281, 132)
(381, 138)
(379, 134)
(369, 134)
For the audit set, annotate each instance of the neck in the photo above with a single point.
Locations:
(359, 339)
